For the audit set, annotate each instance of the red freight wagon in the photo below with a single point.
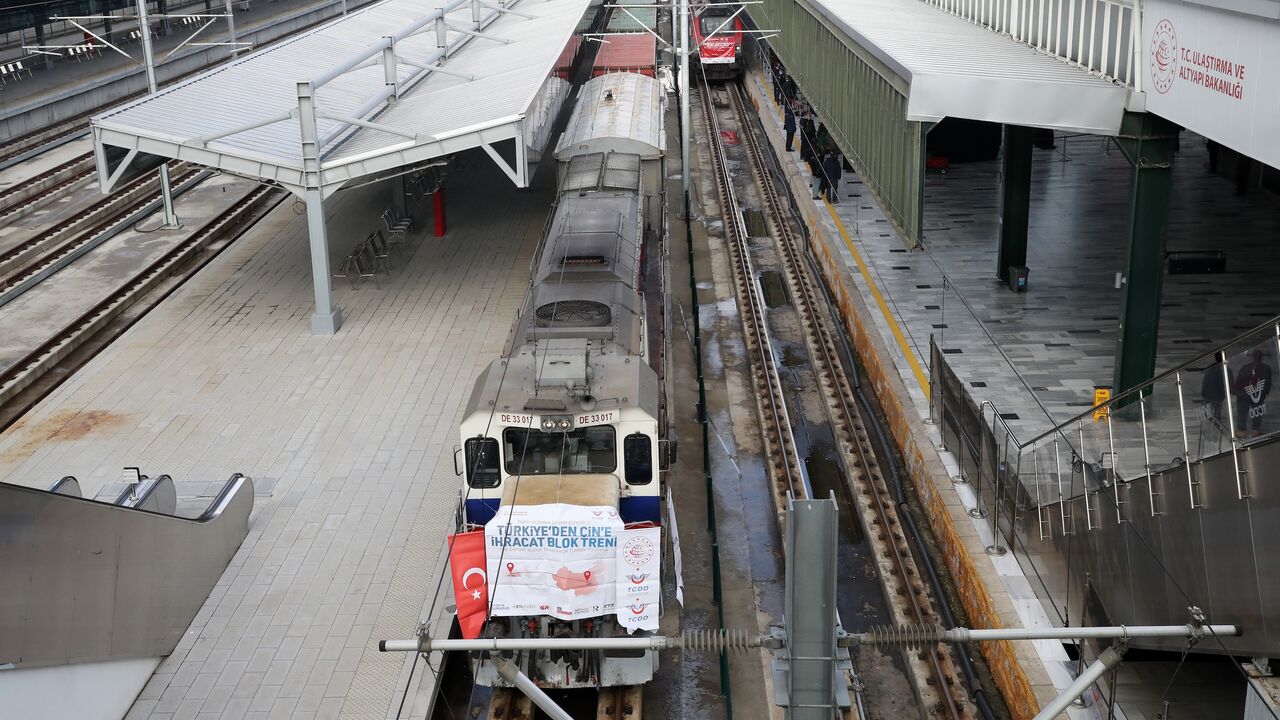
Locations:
(636, 53)
(567, 57)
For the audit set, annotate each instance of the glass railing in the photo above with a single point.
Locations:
(1081, 505)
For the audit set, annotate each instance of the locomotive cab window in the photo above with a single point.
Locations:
(710, 23)
(637, 458)
(584, 450)
(482, 462)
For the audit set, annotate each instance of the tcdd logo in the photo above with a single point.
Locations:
(1164, 56)
(637, 551)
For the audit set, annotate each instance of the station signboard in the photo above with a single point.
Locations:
(1216, 73)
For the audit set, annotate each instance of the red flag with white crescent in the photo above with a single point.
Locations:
(470, 584)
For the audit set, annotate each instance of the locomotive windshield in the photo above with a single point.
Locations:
(711, 23)
(584, 450)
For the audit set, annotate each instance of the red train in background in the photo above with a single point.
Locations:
(717, 34)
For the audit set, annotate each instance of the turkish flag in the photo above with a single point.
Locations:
(470, 585)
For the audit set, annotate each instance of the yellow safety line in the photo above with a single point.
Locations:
(921, 376)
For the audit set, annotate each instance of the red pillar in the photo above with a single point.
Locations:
(437, 207)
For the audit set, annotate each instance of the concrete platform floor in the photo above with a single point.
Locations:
(348, 440)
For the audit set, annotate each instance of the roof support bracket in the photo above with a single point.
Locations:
(110, 184)
(503, 10)
(435, 68)
(271, 120)
(515, 174)
(389, 75)
(482, 36)
(366, 124)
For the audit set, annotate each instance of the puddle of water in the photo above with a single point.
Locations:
(774, 288)
(792, 356)
(754, 221)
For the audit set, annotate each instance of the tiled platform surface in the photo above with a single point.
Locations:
(348, 440)
(1060, 336)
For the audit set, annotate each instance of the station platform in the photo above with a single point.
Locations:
(55, 79)
(1038, 355)
(1035, 355)
(348, 440)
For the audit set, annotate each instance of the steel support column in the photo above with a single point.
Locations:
(328, 317)
(1148, 142)
(1015, 199)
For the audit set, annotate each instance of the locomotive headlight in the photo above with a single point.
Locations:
(557, 423)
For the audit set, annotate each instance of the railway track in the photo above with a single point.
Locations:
(43, 188)
(784, 465)
(24, 381)
(933, 672)
(32, 260)
(24, 147)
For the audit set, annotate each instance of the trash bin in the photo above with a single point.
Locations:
(1018, 278)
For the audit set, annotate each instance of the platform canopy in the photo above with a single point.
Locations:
(958, 69)
(389, 86)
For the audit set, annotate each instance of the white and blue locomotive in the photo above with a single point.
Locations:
(573, 404)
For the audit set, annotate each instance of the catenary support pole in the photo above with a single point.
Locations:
(684, 95)
(1015, 199)
(166, 189)
(231, 30)
(512, 674)
(1107, 660)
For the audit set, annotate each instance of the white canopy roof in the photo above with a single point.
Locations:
(616, 112)
(958, 69)
(398, 98)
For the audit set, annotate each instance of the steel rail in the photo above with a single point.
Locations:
(787, 470)
(26, 369)
(858, 456)
(19, 197)
(73, 242)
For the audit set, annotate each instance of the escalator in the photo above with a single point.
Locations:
(91, 586)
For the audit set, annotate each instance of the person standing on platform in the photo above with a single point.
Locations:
(807, 130)
(831, 169)
(1253, 384)
(1213, 390)
(789, 124)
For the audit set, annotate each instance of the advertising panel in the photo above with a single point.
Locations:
(1216, 73)
(555, 559)
(573, 562)
(640, 581)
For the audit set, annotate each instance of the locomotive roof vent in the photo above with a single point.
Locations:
(573, 313)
